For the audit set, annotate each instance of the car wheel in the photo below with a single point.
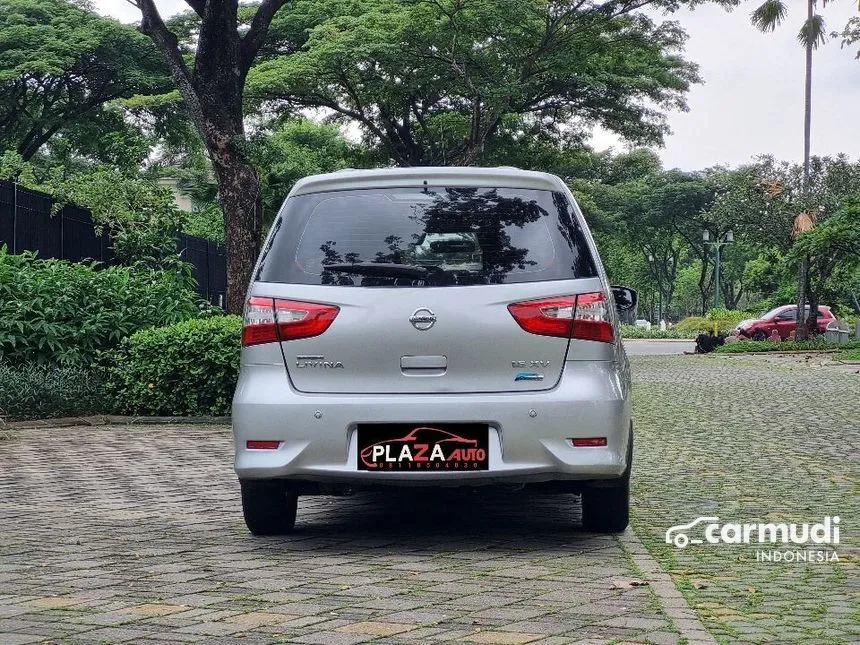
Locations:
(269, 506)
(607, 509)
(759, 335)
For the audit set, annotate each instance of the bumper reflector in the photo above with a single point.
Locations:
(262, 445)
(588, 442)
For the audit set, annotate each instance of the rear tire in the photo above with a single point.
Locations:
(269, 506)
(606, 509)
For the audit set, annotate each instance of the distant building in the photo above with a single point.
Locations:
(181, 198)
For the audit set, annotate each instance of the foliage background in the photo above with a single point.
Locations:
(188, 368)
(90, 114)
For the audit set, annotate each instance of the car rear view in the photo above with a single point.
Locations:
(430, 327)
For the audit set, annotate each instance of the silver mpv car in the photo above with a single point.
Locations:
(432, 327)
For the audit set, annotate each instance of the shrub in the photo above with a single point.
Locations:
(730, 316)
(53, 311)
(726, 320)
(785, 346)
(694, 324)
(33, 391)
(632, 331)
(851, 355)
(846, 315)
(189, 368)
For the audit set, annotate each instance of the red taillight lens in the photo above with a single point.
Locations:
(588, 442)
(258, 325)
(258, 444)
(591, 321)
(584, 316)
(269, 320)
(303, 319)
(552, 317)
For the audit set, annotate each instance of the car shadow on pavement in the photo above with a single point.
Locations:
(486, 514)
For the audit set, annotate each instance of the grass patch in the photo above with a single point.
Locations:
(848, 355)
(746, 346)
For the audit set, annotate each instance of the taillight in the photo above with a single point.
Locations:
(269, 320)
(591, 321)
(553, 317)
(584, 317)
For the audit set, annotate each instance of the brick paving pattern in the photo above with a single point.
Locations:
(752, 440)
(134, 534)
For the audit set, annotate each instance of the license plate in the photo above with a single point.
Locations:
(436, 447)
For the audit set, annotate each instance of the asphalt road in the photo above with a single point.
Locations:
(643, 347)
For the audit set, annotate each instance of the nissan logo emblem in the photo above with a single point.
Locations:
(422, 319)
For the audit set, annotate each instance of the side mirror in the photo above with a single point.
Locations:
(625, 298)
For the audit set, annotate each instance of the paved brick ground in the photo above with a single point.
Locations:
(751, 439)
(116, 534)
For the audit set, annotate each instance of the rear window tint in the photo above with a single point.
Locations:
(412, 237)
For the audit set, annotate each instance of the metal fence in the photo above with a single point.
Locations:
(26, 224)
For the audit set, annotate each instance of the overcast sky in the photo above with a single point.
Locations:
(752, 99)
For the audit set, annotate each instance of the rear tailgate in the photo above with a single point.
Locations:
(473, 345)
(423, 279)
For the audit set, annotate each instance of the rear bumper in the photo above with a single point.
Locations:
(528, 439)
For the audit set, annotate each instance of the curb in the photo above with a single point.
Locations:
(673, 602)
(105, 420)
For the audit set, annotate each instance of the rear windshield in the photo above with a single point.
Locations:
(433, 237)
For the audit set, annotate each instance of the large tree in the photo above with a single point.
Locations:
(833, 252)
(767, 17)
(433, 82)
(60, 64)
(211, 80)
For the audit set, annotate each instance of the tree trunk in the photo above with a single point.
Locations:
(802, 272)
(239, 193)
(35, 140)
(812, 326)
(803, 269)
(729, 300)
(703, 287)
(213, 93)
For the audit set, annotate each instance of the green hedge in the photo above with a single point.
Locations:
(849, 355)
(189, 368)
(632, 331)
(33, 391)
(785, 346)
(58, 312)
(726, 320)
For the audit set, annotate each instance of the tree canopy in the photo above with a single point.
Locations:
(60, 64)
(432, 82)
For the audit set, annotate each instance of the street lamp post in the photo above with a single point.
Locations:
(727, 238)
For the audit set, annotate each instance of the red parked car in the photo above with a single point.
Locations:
(783, 319)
